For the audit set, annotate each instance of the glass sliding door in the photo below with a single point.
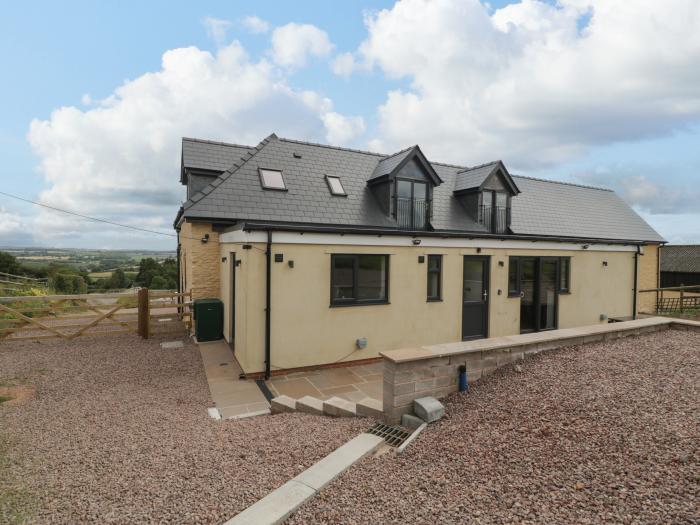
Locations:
(547, 293)
(528, 311)
(536, 281)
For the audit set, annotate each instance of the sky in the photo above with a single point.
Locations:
(96, 97)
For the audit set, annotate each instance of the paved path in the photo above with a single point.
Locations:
(233, 397)
(353, 383)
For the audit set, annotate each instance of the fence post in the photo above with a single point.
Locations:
(681, 305)
(144, 314)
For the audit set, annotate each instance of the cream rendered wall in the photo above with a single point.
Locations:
(306, 331)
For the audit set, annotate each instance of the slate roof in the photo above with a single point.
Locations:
(545, 208)
(387, 164)
(210, 155)
(680, 258)
(473, 177)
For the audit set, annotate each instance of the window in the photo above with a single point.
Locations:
(494, 211)
(335, 186)
(521, 268)
(272, 180)
(359, 279)
(434, 277)
(513, 277)
(564, 274)
(411, 204)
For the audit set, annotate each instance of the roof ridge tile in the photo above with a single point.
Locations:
(217, 143)
(565, 183)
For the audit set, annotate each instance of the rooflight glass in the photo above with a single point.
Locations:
(272, 179)
(335, 186)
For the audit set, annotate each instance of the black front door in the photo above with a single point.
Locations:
(475, 302)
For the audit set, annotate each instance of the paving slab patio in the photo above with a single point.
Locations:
(234, 398)
(353, 383)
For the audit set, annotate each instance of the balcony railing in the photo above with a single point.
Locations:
(411, 214)
(494, 218)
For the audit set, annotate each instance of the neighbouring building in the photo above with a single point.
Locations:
(324, 255)
(680, 265)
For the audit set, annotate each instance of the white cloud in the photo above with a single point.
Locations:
(119, 159)
(293, 43)
(341, 129)
(649, 192)
(526, 83)
(255, 25)
(10, 224)
(343, 64)
(216, 29)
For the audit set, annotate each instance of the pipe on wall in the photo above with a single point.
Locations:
(268, 281)
(636, 286)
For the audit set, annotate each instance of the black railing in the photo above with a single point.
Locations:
(495, 219)
(411, 214)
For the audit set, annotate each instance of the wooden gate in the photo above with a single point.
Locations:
(70, 316)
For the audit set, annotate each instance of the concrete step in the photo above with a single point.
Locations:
(370, 407)
(310, 405)
(282, 404)
(338, 407)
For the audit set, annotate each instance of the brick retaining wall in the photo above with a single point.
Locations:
(432, 370)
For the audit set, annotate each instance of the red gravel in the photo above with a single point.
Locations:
(117, 432)
(602, 433)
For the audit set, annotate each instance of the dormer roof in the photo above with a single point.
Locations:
(389, 166)
(473, 179)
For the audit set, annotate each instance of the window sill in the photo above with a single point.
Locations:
(362, 303)
(514, 295)
(434, 300)
(565, 292)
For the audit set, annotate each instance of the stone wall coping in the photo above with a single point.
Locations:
(403, 355)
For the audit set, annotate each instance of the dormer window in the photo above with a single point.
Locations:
(486, 192)
(494, 211)
(403, 184)
(272, 180)
(411, 204)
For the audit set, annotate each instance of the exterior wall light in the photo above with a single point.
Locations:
(416, 242)
(205, 239)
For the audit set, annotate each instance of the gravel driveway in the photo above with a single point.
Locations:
(116, 431)
(602, 433)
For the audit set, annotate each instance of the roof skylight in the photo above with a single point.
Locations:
(335, 185)
(272, 179)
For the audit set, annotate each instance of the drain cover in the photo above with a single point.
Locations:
(393, 436)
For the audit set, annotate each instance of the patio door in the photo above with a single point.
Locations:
(538, 293)
(475, 297)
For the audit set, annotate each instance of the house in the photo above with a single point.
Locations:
(680, 265)
(325, 255)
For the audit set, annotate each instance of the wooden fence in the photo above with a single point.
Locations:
(69, 316)
(14, 282)
(675, 298)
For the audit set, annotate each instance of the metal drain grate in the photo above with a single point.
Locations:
(394, 436)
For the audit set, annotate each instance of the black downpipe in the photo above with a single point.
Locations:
(268, 279)
(636, 271)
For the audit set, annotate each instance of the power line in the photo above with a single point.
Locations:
(95, 219)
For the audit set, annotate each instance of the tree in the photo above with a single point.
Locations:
(159, 283)
(9, 264)
(118, 279)
(148, 269)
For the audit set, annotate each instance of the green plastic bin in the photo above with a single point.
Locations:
(208, 319)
